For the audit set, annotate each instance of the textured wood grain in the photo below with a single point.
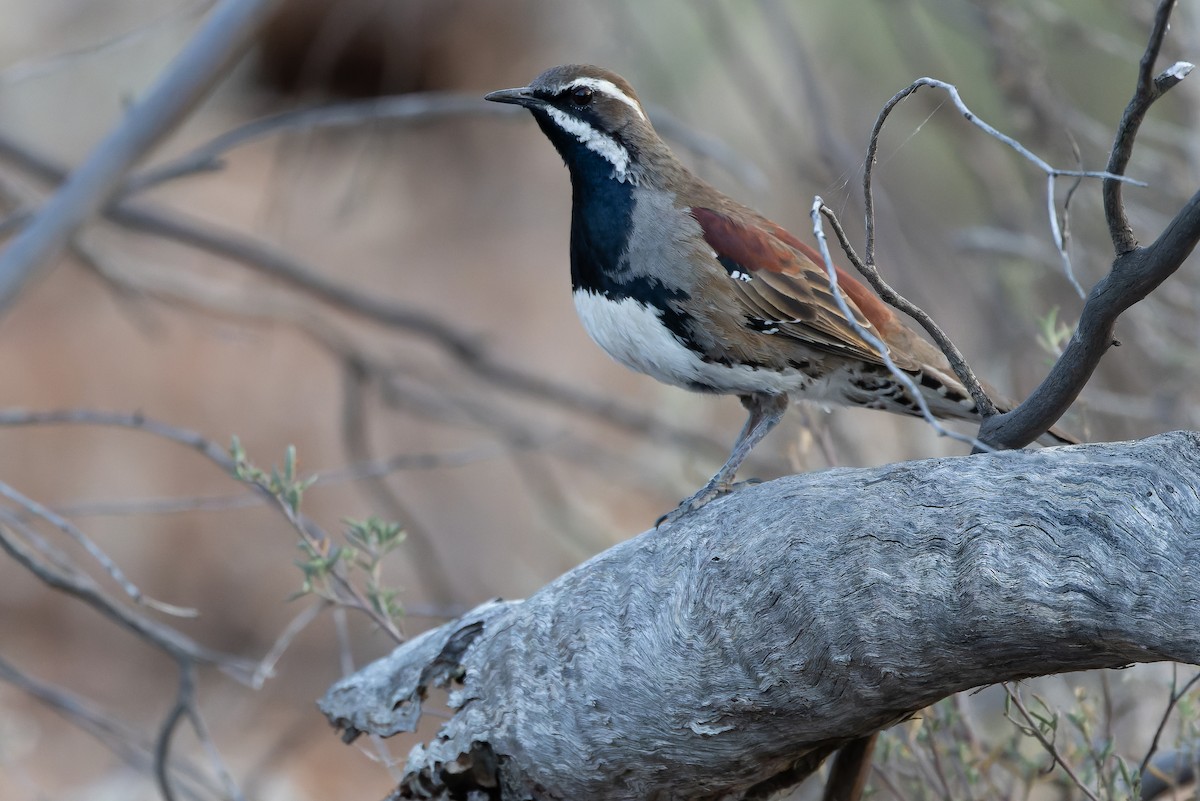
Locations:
(725, 656)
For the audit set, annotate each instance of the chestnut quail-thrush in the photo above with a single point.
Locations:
(677, 281)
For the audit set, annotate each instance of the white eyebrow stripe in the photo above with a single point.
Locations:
(608, 88)
(602, 144)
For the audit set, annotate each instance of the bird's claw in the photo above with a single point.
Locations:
(710, 491)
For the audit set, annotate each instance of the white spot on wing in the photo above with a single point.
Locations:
(595, 141)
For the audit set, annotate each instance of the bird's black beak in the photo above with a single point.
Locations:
(521, 96)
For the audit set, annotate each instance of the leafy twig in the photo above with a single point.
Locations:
(1033, 726)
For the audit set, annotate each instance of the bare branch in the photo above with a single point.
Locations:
(95, 551)
(688, 666)
(266, 666)
(1134, 275)
(957, 361)
(1148, 90)
(1172, 700)
(115, 735)
(880, 347)
(81, 586)
(227, 32)
(162, 749)
(873, 146)
(232, 791)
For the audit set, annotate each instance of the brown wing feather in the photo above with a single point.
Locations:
(789, 285)
(790, 288)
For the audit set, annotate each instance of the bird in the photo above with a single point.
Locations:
(676, 280)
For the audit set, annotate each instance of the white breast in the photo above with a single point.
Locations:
(632, 333)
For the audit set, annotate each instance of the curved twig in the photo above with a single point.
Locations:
(1149, 89)
(114, 571)
(957, 361)
(873, 146)
(1135, 273)
(878, 344)
(81, 586)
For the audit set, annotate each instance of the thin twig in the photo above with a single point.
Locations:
(124, 741)
(957, 361)
(266, 667)
(232, 791)
(81, 586)
(1033, 727)
(1174, 699)
(887, 782)
(166, 731)
(1062, 238)
(1148, 90)
(939, 772)
(880, 347)
(95, 551)
(970, 116)
(320, 543)
(223, 37)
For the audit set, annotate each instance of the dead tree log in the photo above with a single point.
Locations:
(726, 656)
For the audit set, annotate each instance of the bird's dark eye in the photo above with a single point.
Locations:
(582, 96)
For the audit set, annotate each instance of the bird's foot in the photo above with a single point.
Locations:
(711, 490)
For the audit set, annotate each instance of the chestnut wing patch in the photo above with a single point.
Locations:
(784, 290)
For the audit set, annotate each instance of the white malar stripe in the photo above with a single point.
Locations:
(632, 333)
(593, 140)
(608, 88)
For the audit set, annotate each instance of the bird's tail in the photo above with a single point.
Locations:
(948, 398)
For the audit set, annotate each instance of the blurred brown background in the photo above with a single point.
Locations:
(466, 218)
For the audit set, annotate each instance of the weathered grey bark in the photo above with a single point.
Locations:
(724, 657)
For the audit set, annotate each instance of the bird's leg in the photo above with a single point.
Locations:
(765, 412)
